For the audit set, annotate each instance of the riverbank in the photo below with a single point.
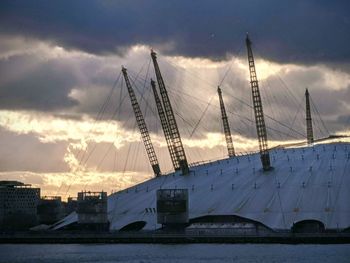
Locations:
(168, 238)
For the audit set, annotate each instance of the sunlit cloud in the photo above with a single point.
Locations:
(49, 128)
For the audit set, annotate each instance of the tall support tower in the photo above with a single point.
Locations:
(309, 130)
(258, 110)
(142, 126)
(174, 130)
(228, 137)
(165, 127)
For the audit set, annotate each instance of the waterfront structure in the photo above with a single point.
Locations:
(18, 205)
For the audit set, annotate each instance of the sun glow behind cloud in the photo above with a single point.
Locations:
(68, 184)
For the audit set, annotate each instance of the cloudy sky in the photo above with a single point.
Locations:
(66, 122)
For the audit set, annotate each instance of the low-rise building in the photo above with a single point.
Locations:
(18, 205)
(71, 205)
(50, 209)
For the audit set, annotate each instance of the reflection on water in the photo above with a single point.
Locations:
(175, 253)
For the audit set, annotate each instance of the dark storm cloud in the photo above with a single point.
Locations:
(298, 31)
(26, 83)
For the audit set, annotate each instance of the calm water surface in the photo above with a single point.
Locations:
(174, 253)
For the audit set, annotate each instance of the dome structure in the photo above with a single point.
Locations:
(309, 183)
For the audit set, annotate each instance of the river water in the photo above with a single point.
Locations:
(143, 253)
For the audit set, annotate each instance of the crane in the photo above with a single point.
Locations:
(174, 130)
(227, 131)
(258, 109)
(142, 126)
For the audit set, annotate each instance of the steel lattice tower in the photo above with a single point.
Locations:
(165, 126)
(142, 126)
(309, 130)
(258, 110)
(228, 137)
(174, 130)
